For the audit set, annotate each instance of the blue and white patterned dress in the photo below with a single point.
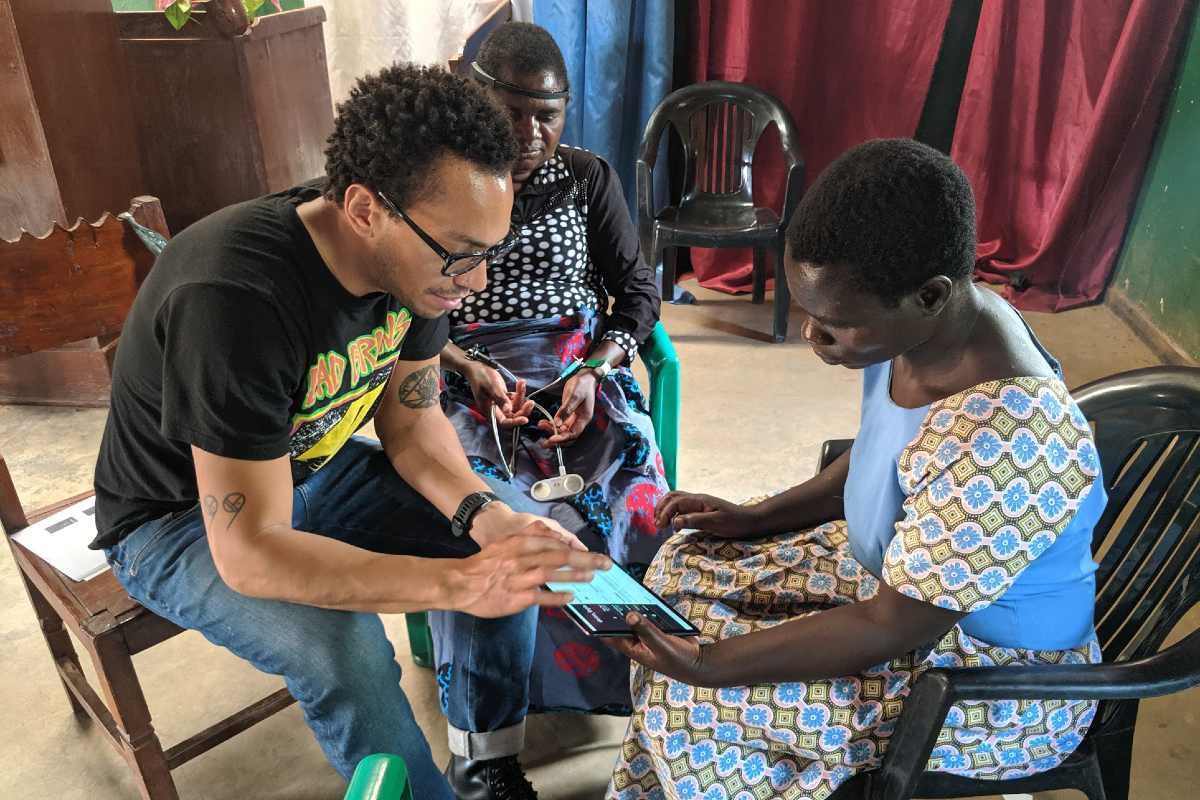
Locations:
(983, 502)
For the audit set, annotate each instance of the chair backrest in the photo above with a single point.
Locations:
(719, 124)
(73, 283)
(1147, 543)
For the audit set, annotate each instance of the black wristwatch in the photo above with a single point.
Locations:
(460, 525)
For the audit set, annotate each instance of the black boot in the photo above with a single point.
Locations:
(489, 779)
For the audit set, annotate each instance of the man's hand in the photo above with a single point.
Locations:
(496, 521)
(506, 577)
(678, 657)
(492, 396)
(578, 405)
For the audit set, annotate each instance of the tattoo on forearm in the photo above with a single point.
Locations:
(420, 388)
(233, 504)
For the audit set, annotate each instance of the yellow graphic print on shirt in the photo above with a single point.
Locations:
(342, 392)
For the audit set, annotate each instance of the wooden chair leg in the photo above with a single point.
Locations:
(57, 639)
(760, 276)
(123, 692)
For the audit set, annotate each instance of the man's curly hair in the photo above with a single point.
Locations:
(892, 213)
(524, 48)
(396, 124)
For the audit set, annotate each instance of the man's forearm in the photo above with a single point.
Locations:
(430, 459)
(280, 563)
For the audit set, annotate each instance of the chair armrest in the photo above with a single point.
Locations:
(1172, 670)
(380, 777)
(793, 191)
(831, 450)
(645, 209)
(656, 126)
(1167, 672)
(662, 365)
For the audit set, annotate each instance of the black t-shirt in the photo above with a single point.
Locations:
(242, 343)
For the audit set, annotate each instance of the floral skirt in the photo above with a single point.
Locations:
(624, 478)
(802, 740)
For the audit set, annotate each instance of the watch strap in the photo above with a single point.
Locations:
(460, 523)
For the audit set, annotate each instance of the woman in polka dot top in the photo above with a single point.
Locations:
(575, 286)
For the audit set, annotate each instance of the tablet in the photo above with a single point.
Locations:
(599, 607)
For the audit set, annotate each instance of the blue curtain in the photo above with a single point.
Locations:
(618, 55)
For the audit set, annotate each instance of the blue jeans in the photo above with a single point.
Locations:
(339, 665)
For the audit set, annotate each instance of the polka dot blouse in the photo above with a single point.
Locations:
(578, 249)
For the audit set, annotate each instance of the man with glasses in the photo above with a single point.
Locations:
(232, 495)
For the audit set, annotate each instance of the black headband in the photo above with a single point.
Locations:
(495, 83)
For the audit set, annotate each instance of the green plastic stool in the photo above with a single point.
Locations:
(662, 365)
(420, 638)
(380, 777)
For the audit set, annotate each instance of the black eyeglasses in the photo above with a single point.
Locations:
(455, 263)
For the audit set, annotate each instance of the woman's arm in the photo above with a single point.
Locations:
(816, 501)
(840, 641)
(579, 398)
(616, 252)
(813, 502)
(454, 359)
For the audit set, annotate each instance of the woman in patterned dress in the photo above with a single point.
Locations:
(574, 287)
(956, 532)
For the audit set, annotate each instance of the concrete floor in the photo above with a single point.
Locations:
(754, 415)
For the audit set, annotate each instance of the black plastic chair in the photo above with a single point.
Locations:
(719, 124)
(1147, 428)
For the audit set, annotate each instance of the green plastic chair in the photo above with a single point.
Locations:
(662, 365)
(380, 777)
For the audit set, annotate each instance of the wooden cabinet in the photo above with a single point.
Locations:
(68, 143)
(97, 107)
(223, 120)
(68, 150)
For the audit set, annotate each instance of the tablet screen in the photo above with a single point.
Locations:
(599, 607)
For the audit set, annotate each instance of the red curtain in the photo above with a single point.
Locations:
(848, 72)
(1055, 128)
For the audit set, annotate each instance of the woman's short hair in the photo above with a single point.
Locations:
(525, 49)
(892, 213)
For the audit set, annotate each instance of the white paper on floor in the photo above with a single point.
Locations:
(62, 538)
